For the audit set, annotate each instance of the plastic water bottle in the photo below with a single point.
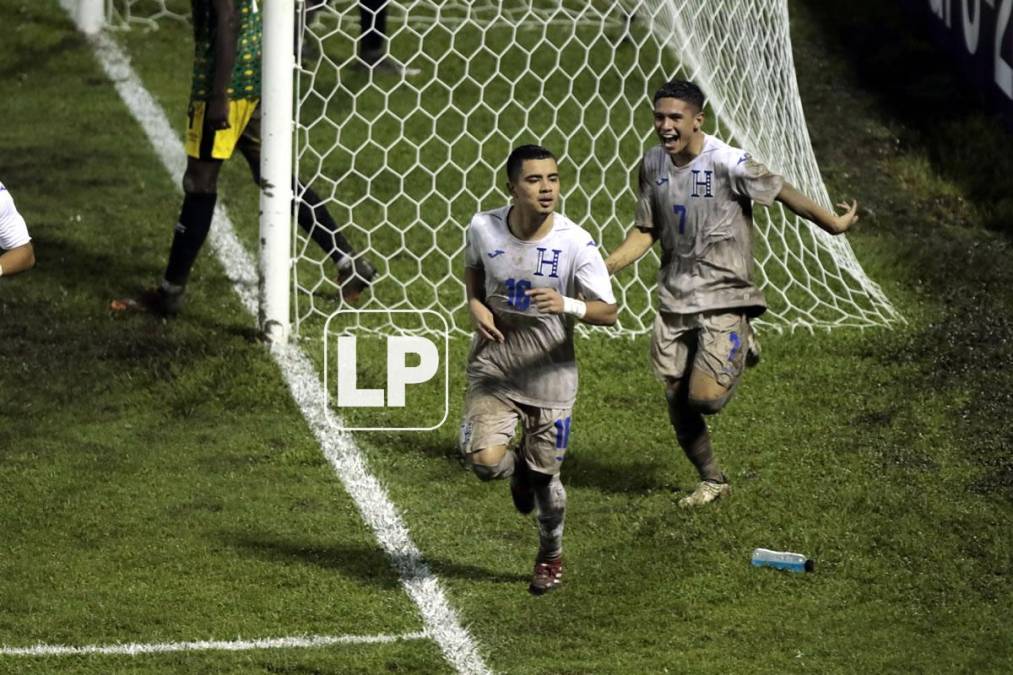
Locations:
(782, 560)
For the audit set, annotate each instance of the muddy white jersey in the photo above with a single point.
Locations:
(535, 363)
(703, 215)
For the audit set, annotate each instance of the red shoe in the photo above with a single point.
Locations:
(548, 576)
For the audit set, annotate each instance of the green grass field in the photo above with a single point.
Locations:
(158, 484)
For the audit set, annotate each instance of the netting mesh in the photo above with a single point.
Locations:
(404, 150)
(147, 13)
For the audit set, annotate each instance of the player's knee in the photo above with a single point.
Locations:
(492, 463)
(709, 406)
(199, 182)
(201, 176)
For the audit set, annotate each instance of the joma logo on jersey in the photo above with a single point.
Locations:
(706, 182)
(553, 262)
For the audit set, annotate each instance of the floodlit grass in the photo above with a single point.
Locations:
(157, 484)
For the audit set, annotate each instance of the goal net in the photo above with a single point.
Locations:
(404, 156)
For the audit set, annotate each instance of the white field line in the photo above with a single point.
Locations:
(440, 619)
(133, 649)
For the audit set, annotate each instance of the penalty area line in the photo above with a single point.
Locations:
(378, 512)
(132, 649)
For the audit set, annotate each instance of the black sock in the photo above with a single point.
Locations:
(191, 231)
(317, 221)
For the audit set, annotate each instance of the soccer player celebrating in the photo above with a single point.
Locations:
(525, 267)
(16, 252)
(696, 196)
(224, 114)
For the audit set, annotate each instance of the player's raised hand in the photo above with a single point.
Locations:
(484, 322)
(843, 221)
(547, 300)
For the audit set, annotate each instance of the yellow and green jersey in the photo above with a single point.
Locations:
(245, 82)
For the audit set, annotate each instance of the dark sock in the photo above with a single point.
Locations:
(696, 443)
(694, 439)
(317, 221)
(191, 231)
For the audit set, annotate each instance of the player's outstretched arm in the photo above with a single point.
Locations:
(17, 260)
(549, 301)
(801, 205)
(481, 316)
(636, 244)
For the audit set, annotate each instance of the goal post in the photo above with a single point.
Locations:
(276, 164)
(90, 16)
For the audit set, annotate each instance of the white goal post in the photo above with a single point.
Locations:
(404, 148)
(89, 15)
(278, 77)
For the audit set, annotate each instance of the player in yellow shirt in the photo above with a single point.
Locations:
(224, 114)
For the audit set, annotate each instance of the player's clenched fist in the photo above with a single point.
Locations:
(547, 300)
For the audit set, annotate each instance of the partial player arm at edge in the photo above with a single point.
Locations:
(481, 316)
(600, 313)
(803, 206)
(636, 244)
(225, 39)
(17, 259)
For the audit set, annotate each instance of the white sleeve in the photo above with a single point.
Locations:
(749, 178)
(472, 256)
(592, 275)
(13, 231)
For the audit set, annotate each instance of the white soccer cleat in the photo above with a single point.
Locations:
(705, 492)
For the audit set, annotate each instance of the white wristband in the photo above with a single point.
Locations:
(1, 270)
(574, 307)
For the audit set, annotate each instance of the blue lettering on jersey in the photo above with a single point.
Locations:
(661, 180)
(553, 263)
(706, 183)
(495, 253)
(745, 156)
(591, 243)
(517, 296)
(680, 210)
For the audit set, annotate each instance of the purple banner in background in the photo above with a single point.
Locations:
(979, 36)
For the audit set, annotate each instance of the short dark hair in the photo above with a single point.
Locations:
(684, 90)
(515, 162)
